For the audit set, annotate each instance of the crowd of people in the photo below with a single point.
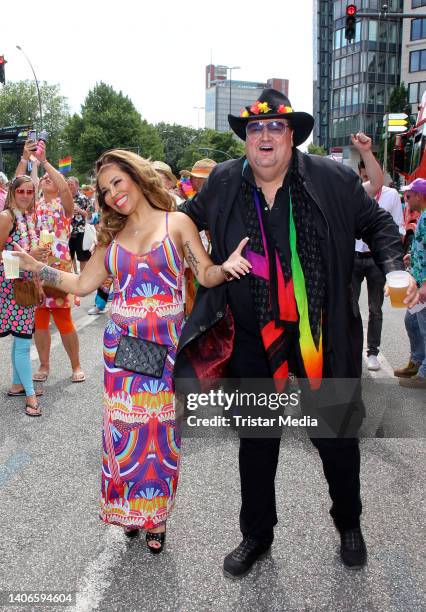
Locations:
(268, 242)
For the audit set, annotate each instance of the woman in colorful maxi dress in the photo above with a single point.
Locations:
(142, 245)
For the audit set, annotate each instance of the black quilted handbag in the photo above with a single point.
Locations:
(141, 356)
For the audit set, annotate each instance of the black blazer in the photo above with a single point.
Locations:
(343, 212)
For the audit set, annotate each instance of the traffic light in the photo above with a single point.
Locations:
(2, 65)
(350, 22)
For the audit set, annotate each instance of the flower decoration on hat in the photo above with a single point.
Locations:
(263, 108)
(284, 109)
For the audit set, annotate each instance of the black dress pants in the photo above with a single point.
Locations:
(364, 267)
(258, 459)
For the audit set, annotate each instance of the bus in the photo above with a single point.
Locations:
(409, 160)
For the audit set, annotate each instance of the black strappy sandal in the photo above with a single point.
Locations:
(155, 537)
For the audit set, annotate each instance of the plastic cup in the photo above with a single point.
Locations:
(11, 265)
(397, 283)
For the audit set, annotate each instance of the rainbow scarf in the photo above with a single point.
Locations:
(292, 321)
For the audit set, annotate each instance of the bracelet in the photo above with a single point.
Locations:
(227, 275)
(24, 160)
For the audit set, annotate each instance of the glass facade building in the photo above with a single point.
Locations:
(225, 97)
(360, 74)
(364, 71)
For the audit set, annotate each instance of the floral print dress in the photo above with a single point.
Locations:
(51, 216)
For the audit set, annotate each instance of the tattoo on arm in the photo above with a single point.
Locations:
(50, 276)
(190, 257)
(216, 275)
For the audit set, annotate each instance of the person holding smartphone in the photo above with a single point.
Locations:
(53, 212)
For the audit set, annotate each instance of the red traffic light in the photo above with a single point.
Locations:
(2, 60)
(351, 10)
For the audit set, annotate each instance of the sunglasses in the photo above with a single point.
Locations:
(275, 128)
(20, 191)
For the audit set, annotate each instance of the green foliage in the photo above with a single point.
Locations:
(316, 149)
(219, 146)
(19, 106)
(398, 103)
(108, 120)
(176, 139)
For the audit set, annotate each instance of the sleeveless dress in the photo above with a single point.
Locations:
(141, 445)
(14, 319)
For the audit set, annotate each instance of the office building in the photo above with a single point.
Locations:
(224, 96)
(362, 73)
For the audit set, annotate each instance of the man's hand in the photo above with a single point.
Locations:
(361, 142)
(422, 293)
(412, 296)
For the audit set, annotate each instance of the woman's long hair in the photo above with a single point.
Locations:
(142, 173)
(10, 203)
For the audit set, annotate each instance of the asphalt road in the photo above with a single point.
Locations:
(53, 542)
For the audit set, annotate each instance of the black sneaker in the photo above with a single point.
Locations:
(239, 562)
(352, 549)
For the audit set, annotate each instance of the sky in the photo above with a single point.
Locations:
(156, 52)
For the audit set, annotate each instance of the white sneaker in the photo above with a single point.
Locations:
(95, 310)
(373, 363)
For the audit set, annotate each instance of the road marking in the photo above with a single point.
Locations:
(97, 577)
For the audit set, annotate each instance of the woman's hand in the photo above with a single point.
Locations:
(40, 253)
(236, 264)
(26, 262)
(41, 155)
(29, 149)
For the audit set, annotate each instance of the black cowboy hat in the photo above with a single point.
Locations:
(273, 104)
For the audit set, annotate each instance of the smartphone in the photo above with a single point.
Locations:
(32, 135)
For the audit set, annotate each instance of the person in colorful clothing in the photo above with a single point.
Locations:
(17, 226)
(3, 190)
(53, 213)
(293, 313)
(414, 374)
(82, 208)
(191, 183)
(142, 245)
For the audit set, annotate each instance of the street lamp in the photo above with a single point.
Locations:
(198, 108)
(216, 151)
(231, 68)
(36, 82)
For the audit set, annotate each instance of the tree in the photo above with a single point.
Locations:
(398, 103)
(19, 106)
(176, 139)
(316, 149)
(215, 145)
(108, 120)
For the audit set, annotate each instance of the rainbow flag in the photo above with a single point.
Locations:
(65, 165)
